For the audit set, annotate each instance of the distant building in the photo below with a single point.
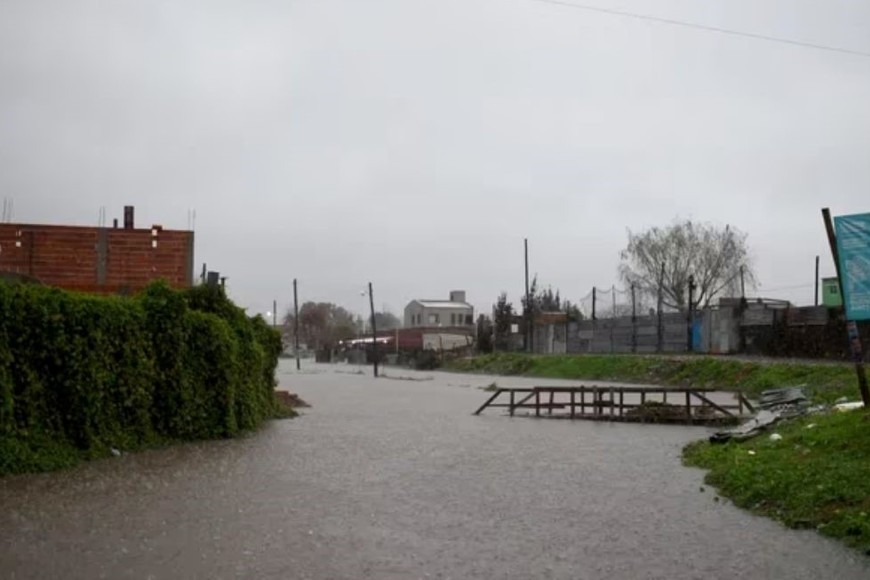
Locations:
(831, 293)
(455, 312)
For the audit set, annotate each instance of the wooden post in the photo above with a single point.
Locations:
(690, 314)
(583, 401)
(594, 300)
(512, 403)
(621, 403)
(374, 330)
(296, 325)
(688, 407)
(537, 403)
(852, 328)
(530, 331)
(660, 329)
(488, 401)
(573, 397)
(633, 319)
(612, 399)
(552, 396)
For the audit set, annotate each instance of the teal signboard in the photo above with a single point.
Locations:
(853, 245)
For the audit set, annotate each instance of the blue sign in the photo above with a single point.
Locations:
(853, 245)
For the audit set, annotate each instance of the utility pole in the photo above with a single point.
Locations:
(851, 325)
(529, 314)
(613, 318)
(594, 300)
(817, 281)
(659, 313)
(296, 325)
(742, 284)
(274, 314)
(374, 330)
(633, 319)
(690, 313)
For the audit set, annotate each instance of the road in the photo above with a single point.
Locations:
(395, 479)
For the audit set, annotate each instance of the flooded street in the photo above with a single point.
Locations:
(395, 479)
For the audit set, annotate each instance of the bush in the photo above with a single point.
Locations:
(91, 373)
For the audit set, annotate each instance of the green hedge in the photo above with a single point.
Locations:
(82, 374)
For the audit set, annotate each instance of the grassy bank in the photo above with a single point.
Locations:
(825, 382)
(817, 476)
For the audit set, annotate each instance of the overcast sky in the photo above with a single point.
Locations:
(414, 143)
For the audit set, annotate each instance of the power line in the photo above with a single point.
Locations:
(716, 29)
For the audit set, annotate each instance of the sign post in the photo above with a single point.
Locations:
(849, 237)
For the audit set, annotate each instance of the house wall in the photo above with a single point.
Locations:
(831, 297)
(446, 316)
(101, 260)
(411, 310)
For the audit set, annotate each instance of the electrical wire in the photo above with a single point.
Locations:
(705, 27)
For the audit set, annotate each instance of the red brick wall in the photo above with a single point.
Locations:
(97, 259)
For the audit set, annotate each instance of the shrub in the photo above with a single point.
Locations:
(90, 373)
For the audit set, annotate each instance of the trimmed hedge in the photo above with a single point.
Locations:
(81, 374)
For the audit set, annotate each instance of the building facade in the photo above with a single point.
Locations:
(454, 312)
(831, 293)
(96, 259)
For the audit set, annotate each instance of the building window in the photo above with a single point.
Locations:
(434, 319)
(452, 319)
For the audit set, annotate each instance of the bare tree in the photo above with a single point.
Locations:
(713, 256)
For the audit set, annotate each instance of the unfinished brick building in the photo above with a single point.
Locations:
(97, 259)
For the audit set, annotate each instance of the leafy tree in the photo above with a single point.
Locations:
(323, 324)
(387, 321)
(503, 318)
(542, 300)
(713, 256)
(572, 310)
(484, 334)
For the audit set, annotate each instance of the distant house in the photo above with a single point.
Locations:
(831, 293)
(455, 312)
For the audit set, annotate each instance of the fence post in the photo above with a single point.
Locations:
(661, 329)
(613, 319)
(633, 319)
(689, 313)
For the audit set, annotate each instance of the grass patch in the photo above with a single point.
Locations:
(825, 382)
(815, 477)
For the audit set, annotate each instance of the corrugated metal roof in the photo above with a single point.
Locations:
(443, 304)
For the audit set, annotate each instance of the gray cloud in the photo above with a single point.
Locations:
(414, 143)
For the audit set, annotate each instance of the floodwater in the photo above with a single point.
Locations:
(396, 479)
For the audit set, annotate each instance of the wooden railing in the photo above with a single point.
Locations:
(612, 403)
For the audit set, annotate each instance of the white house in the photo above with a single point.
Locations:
(455, 312)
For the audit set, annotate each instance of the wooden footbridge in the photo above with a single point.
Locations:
(617, 403)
